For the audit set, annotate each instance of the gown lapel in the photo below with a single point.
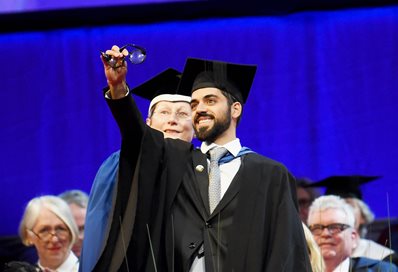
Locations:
(231, 192)
(202, 179)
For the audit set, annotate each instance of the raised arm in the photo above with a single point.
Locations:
(116, 77)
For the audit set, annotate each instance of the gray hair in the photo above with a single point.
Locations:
(366, 213)
(77, 197)
(54, 204)
(326, 202)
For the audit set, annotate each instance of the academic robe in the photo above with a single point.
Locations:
(99, 212)
(161, 215)
(362, 264)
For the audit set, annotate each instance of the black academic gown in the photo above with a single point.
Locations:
(161, 216)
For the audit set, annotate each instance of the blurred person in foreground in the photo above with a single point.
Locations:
(48, 225)
(176, 222)
(169, 113)
(21, 266)
(332, 222)
(77, 201)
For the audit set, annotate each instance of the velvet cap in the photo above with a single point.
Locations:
(344, 186)
(161, 87)
(233, 78)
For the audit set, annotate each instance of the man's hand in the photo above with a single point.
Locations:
(116, 77)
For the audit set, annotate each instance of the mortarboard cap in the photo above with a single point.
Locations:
(161, 87)
(234, 78)
(344, 186)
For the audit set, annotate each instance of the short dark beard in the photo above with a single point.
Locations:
(219, 127)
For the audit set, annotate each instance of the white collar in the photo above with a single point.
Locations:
(70, 264)
(343, 266)
(233, 147)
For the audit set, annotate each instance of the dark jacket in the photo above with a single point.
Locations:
(161, 215)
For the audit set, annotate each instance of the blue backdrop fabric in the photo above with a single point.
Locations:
(323, 101)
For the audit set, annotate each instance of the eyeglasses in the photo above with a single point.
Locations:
(46, 234)
(332, 228)
(165, 114)
(136, 55)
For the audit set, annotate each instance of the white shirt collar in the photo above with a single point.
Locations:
(343, 266)
(233, 147)
(71, 264)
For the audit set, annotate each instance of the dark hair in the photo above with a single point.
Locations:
(303, 183)
(230, 100)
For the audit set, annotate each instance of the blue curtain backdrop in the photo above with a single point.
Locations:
(324, 100)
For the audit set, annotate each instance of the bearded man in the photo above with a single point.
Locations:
(178, 210)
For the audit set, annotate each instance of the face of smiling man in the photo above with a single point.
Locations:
(212, 116)
(335, 244)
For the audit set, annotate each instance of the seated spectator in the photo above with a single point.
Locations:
(48, 224)
(349, 188)
(331, 221)
(367, 248)
(305, 196)
(77, 201)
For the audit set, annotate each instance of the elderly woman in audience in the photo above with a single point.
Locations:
(48, 225)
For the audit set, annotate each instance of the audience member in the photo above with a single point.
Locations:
(344, 186)
(169, 113)
(368, 248)
(77, 201)
(48, 224)
(305, 196)
(331, 221)
(363, 215)
(349, 188)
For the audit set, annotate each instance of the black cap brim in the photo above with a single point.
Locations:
(234, 78)
(165, 82)
(344, 186)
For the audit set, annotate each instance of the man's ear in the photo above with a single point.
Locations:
(148, 121)
(355, 237)
(236, 109)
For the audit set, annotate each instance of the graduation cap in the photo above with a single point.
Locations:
(161, 87)
(344, 186)
(234, 78)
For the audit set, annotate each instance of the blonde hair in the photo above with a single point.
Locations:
(314, 252)
(54, 204)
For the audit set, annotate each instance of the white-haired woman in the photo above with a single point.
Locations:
(48, 224)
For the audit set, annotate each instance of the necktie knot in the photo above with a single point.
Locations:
(217, 153)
